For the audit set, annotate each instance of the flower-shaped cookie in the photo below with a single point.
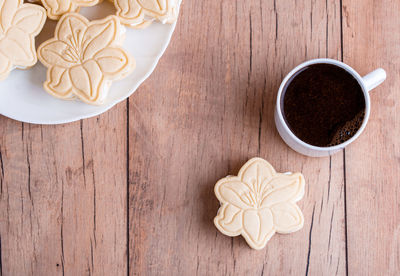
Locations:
(259, 202)
(140, 13)
(19, 24)
(57, 8)
(84, 58)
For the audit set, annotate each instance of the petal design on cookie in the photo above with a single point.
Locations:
(56, 8)
(71, 29)
(128, 9)
(5, 66)
(137, 12)
(113, 62)
(85, 3)
(7, 12)
(30, 19)
(255, 173)
(258, 227)
(229, 220)
(19, 23)
(59, 82)
(287, 217)
(19, 47)
(55, 52)
(87, 80)
(157, 6)
(236, 193)
(99, 36)
(283, 188)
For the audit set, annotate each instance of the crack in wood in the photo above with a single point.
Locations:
(94, 205)
(31, 229)
(236, 16)
(8, 210)
(127, 190)
(29, 174)
(250, 50)
(220, 19)
(260, 121)
(62, 227)
(330, 229)
(2, 173)
(311, 20)
(327, 32)
(320, 211)
(345, 211)
(341, 30)
(83, 153)
(264, 262)
(41, 133)
(309, 241)
(261, 18)
(276, 25)
(91, 257)
(197, 266)
(337, 266)
(1, 259)
(330, 176)
(22, 207)
(163, 201)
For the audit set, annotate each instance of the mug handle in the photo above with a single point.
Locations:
(373, 79)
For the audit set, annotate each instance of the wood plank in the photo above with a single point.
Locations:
(205, 111)
(63, 197)
(371, 40)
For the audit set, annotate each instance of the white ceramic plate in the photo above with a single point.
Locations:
(23, 98)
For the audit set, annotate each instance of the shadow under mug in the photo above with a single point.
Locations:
(366, 83)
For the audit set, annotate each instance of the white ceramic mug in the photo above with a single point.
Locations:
(367, 83)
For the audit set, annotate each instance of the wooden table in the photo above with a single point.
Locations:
(131, 191)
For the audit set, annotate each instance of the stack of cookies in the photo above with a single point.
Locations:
(84, 57)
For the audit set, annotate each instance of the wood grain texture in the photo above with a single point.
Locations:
(131, 192)
(63, 197)
(205, 111)
(372, 40)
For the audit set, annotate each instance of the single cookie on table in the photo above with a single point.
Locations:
(19, 24)
(57, 8)
(259, 202)
(84, 58)
(141, 13)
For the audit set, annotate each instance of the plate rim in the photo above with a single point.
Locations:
(114, 103)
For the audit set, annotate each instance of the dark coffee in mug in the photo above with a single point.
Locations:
(323, 105)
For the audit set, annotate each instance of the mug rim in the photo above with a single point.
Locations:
(349, 70)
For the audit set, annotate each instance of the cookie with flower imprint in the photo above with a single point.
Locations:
(84, 58)
(57, 8)
(259, 202)
(19, 25)
(141, 13)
